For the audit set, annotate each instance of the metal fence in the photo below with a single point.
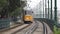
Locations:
(4, 23)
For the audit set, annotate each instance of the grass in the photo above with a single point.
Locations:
(56, 30)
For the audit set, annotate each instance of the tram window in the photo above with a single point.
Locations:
(28, 12)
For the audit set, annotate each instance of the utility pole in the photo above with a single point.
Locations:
(48, 9)
(43, 8)
(51, 9)
(55, 11)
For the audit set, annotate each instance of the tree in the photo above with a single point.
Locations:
(9, 6)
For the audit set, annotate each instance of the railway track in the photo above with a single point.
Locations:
(28, 30)
(41, 29)
(32, 28)
(23, 29)
(12, 30)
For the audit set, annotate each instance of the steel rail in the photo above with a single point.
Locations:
(44, 29)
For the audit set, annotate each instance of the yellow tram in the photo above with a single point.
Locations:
(28, 18)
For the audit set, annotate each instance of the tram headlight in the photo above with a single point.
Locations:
(27, 18)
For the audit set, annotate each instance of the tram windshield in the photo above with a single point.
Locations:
(28, 12)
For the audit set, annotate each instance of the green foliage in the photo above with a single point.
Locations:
(22, 3)
(3, 3)
(11, 7)
(56, 30)
(17, 12)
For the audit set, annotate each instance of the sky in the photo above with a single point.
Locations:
(58, 4)
(32, 3)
